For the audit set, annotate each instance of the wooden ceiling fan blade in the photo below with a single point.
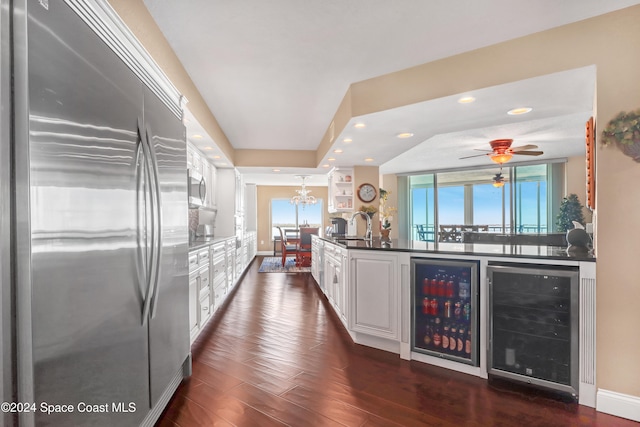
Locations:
(524, 147)
(475, 155)
(528, 153)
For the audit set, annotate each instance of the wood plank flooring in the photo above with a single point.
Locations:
(276, 355)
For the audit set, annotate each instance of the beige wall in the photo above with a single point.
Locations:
(265, 194)
(276, 158)
(369, 175)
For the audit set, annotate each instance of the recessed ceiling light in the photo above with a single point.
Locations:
(368, 159)
(197, 136)
(331, 159)
(217, 157)
(466, 100)
(359, 125)
(208, 148)
(337, 151)
(347, 140)
(326, 166)
(518, 111)
(276, 170)
(404, 135)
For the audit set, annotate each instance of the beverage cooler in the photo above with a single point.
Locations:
(533, 337)
(445, 309)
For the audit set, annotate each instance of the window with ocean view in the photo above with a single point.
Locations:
(287, 215)
(442, 204)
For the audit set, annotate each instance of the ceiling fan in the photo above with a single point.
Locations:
(501, 151)
(498, 180)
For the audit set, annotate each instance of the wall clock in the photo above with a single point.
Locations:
(367, 193)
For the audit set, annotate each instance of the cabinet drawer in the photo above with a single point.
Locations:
(205, 309)
(219, 248)
(203, 257)
(205, 281)
(193, 261)
(219, 293)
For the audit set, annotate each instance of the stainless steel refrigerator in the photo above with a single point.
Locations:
(99, 229)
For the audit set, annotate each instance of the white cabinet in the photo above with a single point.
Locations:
(193, 306)
(316, 245)
(335, 280)
(199, 290)
(194, 159)
(198, 162)
(374, 293)
(341, 192)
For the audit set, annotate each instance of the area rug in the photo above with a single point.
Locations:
(274, 265)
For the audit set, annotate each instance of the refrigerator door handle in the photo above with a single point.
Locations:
(202, 189)
(158, 211)
(151, 276)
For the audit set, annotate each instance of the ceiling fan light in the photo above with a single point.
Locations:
(498, 184)
(501, 158)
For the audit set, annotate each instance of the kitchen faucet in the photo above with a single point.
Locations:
(368, 235)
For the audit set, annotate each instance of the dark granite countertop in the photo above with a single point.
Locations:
(477, 249)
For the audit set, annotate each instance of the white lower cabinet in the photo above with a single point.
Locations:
(193, 305)
(213, 272)
(335, 267)
(374, 294)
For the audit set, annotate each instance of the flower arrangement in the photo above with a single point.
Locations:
(386, 212)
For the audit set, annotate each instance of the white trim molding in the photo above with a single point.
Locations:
(106, 23)
(618, 404)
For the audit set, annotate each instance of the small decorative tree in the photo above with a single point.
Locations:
(570, 210)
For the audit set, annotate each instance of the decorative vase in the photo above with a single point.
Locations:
(631, 150)
(384, 234)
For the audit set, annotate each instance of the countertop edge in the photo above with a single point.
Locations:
(377, 245)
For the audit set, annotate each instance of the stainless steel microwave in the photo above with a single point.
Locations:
(197, 189)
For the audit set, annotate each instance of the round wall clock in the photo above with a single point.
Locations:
(367, 193)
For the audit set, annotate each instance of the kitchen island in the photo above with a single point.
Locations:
(373, 291)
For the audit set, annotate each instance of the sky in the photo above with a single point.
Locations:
(283, 212)
(487, 204)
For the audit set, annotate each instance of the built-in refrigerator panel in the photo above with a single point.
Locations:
(445, 301)
(533, 326)
(169, 345)
(88, 224)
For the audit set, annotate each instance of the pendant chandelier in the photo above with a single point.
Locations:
(303, 198)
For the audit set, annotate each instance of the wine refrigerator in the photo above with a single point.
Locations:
(533, 325)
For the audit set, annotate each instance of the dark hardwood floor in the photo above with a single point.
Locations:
(276, 355)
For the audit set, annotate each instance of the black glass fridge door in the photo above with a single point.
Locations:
(533, 330)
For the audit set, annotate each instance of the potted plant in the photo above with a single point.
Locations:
(386, 213)
(624, 131)
(570, 210)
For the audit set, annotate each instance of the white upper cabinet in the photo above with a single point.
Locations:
(341, 190)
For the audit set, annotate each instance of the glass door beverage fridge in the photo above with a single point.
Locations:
(533, 337)
(445, 309)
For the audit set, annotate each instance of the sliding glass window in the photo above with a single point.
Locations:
(445, 204)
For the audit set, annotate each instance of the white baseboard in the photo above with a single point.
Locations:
(266, 253)
(618, 404)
